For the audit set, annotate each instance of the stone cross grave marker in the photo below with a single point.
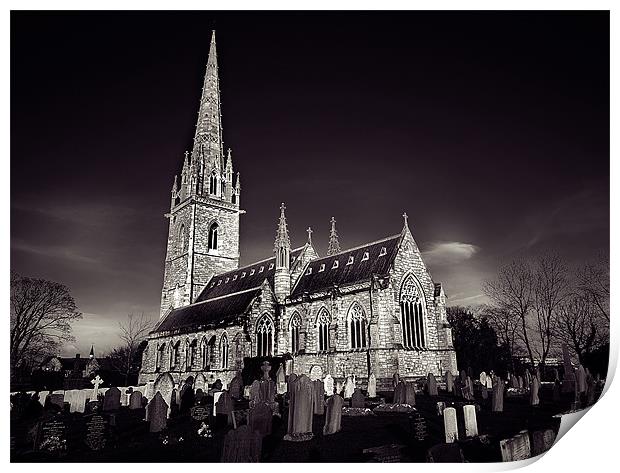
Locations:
(96, 382)
(450, 425)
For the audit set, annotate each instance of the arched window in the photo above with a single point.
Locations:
(209, 355)
(213, 236)
(182, 237)
(161, 352)
(357, 324)
(234, 197)
(413, 326)
(224, 351)
(175, 355)
(323, 329)
(213, 183)
(264, 336)
(193, 348)
(294, 325)
(223, 187)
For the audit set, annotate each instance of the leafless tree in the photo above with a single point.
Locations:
(577, 324)
(551, 288)
(512, 291)
(41, 316)
(594, 281)
(132, 332)
(505, 324)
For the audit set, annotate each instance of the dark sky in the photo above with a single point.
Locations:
(491, 130)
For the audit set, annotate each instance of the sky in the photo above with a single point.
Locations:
(491, 130)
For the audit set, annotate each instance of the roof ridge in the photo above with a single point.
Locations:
(392, 237)
(220, 297)
(249, 265)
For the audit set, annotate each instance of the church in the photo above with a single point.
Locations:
(370, 309)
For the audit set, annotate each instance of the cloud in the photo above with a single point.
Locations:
(53, 252)
(449, 252)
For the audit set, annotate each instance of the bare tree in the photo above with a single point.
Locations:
(41, 316)
(594, 281)
(551, 288)
(132, 332)
(577, 324)
(506, 326)
(513, 292)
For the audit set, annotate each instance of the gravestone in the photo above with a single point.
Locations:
(483, 379)
(43, 397)
(328, 384)
(217, 385)
(410, 394)
(490, 381)
(199, 413)
(112, 399)
(300, 409)
(450, 424)
(497, 400)
(165, 385)
(449, 382)
(149, 390)
(431, 383)
(542, 440)
(445, 453)
(581, 379)
(200, 382)
(242, 445)
(280, 380)
(569, 381)
(520, 380)
(157, 413)
(78, 400)
(372, 386)
(96, 432)
(188, 399)
(349, 387)
(471, 424)
(51, 435)
(291, 378)
(239, 417)
(333, 414)
(200, 397)
(236, 387)
(395, 379)
(357, 399)
(260, 419)
(224, 403)
(318, 400)
(516, 448)
(418, 424)
(339, 388)
(441, 406)
(216, 397)
(58, 399)
(316, 372)
(135, 400)
(534, 387)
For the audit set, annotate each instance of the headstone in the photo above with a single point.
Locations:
(349, 387)
(200, 382)
(339, 388)
(318, 400)
(112, 399)
(42, 397)
(581, 379)
(149, 390)
(260, 419)
(445, 453)
(372, 386)
(333, 414)
(52, 436)
(188, 399)
(520, 381)
(535, 386)
(449, 382)
(242, 445)
(450, 425)
(316, 372)
(96, 432)
(58, 399)
(471, 425)
(395, 379)
(483, 379)
(281, 380)
(489, 382)
(291, 378)
(514, 382)
(200, 397)
(418, 424)
(224, 403)
(542, 440)
(516, 448)
(135, 400)
(78, 401)
(300, 409)
(199, 413)
(236, 387)
(165, 385)
(157, 413)
(431, 383)
(441, 406)
(497, 400)
(216, 397)
(240, 417)
(357, 399)
(217, 385)
(568, 384)
(328, 384)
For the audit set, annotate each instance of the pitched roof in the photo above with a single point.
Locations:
(208, 313)
(356, 264)
(250, 276)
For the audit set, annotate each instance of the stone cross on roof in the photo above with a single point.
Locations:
(309, 231)
(405, 217)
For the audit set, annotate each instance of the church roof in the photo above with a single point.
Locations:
(353, 265)
(208, 313)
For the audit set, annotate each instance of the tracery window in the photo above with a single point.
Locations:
(213, 183)
(357, 325)
(413, 325)
(323, 329)
(294, 331)
(161, 351)
(264, 336)
(224, 351)
(213, 236)
(175, 355)
(193, 348)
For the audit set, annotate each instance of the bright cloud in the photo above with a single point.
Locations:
(449, 252)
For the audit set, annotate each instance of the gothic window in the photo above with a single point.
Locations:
(193, 348)
(294, 331)
(412, 314)
(264, 336)
(161, 351)
(213, 183)
(209, 355)
(234, 198)
(323, 328)
(213, 236)
(223, 187)
(357, 326)
(182, 237)
(175, 355)
(224, 351)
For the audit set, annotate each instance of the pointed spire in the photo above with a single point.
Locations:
(92, 351)
(334, 244)
(282, 238)
(175, 186)
(406, 222)
(208, 143)
(309, 231)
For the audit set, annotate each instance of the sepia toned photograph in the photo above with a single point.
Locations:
(306, 236)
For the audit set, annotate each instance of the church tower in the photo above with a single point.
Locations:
(203, 235)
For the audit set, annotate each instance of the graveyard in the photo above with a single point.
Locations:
(290, 418)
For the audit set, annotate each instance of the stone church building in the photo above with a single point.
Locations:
(369, 309)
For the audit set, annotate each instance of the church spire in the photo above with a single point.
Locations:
(282, 238)
(334, 244)
(92, 352)
(208, 145)
(282, 249)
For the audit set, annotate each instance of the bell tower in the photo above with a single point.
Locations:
(203, 231)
